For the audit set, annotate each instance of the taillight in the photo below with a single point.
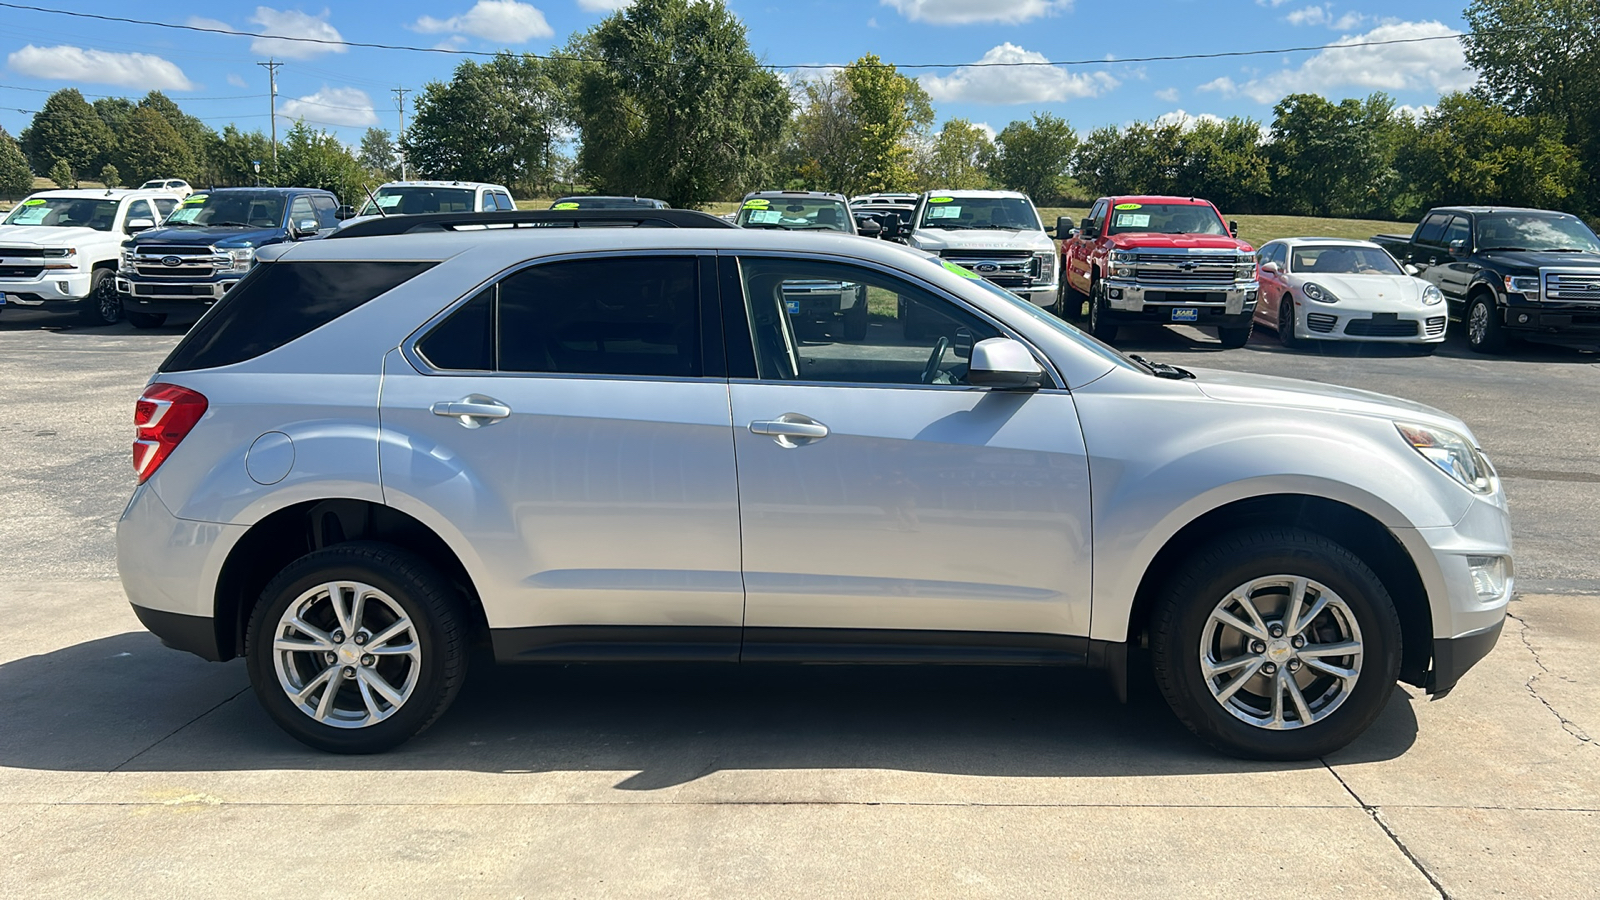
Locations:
(163, 416)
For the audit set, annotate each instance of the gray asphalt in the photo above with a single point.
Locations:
(127, 769)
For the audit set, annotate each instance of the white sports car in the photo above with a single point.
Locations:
(1329, 289)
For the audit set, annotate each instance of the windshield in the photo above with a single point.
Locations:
(410, 201)
(981, 213)
(65, 212)
(604, 203)
(241, 209)
(794, 213)
(1335, 259)
(1165, 218)
(1530, 231)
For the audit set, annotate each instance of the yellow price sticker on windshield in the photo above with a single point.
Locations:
(565, 206)
(941, 199)
(757, 203)
(1128, 206)
(33, 203)
(195, 200)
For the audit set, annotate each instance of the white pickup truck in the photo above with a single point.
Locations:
(995, 234)
(59, 249)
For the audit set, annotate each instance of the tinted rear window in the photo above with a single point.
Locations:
(281, 302)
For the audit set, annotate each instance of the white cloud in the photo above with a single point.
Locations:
(1323, 15)
(604, 5)
(131, 70)
(962, 12)
(1433, 65)
(332, 106)
(1168, 95)
(508, 21)
(1184, 120)
(236, 81)
(1016, 84)
(296, 24)
(1415, 113)
(199, 22)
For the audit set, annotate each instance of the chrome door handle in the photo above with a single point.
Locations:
(473, 410)
(790, 429)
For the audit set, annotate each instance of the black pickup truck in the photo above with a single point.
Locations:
(1524, 273)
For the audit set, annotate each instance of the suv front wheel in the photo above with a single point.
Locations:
(356, 648)
(1275, 644)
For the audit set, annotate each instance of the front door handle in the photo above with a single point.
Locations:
(473, 410)
(790, 429)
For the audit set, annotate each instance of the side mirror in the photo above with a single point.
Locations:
(1088, 229)
(1233, 228)
(1063, 227)
(1412, 270)
(1050, 229)
(305, 227)
(345, 212)
(1004, 364)
(1458, 248)
(869, 228)
(1270, 267)
(134, 226)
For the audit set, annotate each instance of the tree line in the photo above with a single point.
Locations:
(665, 98)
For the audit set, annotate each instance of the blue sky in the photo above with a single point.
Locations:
(213, 76)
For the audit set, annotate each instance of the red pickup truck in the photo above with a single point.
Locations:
(1158, 260)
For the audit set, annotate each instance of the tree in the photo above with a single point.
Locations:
(1033, 156)
(196, 134)
(234, 155)
(1225, 163)
(1334, 159)
(497, 121)
(888, 112)
(316, 159)
(1470, 151)
(61, 174)
(16, 179)
(109, 176)
(149, 147)
(113, 111)
(674, 104)
(819, 151)
(67, 128)
(957, 158)
(377, 154)
(1542, 58)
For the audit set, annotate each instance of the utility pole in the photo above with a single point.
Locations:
(272, 65)
(400, 104)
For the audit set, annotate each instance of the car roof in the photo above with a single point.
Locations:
(976, 193)
(100, 193)
(829, 195)
(1158, 198)
(1343, 242)
(1479, 210)
(263, 190)
(460, 184)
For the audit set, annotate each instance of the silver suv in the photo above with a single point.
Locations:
(594, 444)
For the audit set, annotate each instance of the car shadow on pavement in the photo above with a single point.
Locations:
(1148, 339)
(128, 704)
(21, 318)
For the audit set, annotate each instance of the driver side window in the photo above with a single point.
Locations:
(830, 322)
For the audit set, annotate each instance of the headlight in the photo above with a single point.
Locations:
(1121, 257)
(1432, 296)
(1519, 285)
(127, 259)
(241, 260)
(1247, 272)
(1047, 266)
(1453, 454)
(1317, 292)
(66, 257)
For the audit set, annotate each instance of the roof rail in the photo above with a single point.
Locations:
(533, 218)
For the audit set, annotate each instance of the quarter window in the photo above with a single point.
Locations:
(821, 321)
(634, 316)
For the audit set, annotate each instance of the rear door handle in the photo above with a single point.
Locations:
(790, 429)
(473, 410)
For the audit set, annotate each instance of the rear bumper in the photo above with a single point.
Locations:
(169, 568)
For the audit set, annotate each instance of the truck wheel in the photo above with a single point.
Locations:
(855, 320)
(1100, 324)
(1071, 302)
(103, 306)
(1485, 332)
(1286, 335)
(1275, 643)
(1234, 338)
(146, 320)
(356, 648)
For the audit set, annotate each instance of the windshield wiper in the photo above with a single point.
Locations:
(1504, 249)
(1161, 370)
(224, 224)
(1568, 250)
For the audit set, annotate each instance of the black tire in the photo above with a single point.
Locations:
(103, 306)
(1071, 302)
(1486, 333)
(1286, 335)
(855, 320)
(425, 597)
(1100, 322)
(1234, 338)
(1185, 606)
(146, 320)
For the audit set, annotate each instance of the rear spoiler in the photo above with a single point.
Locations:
(533, 218)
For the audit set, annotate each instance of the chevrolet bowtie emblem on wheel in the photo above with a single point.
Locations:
(172, 260)
(986, 268)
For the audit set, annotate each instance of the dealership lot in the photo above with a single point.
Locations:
(128, 767)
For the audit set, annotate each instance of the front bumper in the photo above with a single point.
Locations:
(1452, 657)
(1560, 323)
(1466, 623)
(1130, 301)
(1040, 295)
(48, 287)
(172, 297)
(1325, 322)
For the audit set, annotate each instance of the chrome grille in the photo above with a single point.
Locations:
(194, 261)
(1189, 269)
(21, 253)
(1581, 287)
(1006, 268)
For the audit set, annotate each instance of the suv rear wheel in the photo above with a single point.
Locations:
(1275, 644)
(356, 648)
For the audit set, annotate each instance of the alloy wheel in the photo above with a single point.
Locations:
(1478, 323)
(1281, 652)
(346, 654)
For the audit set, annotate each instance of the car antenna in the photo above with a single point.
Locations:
(374, 199)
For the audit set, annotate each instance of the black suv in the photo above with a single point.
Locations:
(1506, 272)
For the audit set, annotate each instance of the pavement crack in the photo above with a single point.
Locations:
(1377, 817)
(1567, 725)
(164, 738)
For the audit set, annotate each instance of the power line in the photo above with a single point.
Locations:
(1225, 54)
